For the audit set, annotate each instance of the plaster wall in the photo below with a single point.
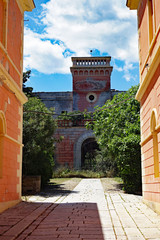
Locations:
(149, 97)
(150, 101)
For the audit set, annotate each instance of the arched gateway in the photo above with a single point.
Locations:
(77, 148)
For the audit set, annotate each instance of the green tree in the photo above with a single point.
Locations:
(27, 90)
(38, 130)
(117, 129)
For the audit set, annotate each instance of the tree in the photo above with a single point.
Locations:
(27, 90)
(117, 129)
(38, 130)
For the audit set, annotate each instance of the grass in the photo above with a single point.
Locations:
(59, 180)
(118, 179)
(63, 172)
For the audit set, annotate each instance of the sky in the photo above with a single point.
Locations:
(57, 30)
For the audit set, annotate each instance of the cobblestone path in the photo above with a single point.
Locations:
(87, 213)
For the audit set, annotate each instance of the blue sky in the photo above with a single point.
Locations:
(56, 30)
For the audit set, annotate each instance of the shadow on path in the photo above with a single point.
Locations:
(53, 189)
(35, 221)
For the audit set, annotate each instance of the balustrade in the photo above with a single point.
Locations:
(73, 123)
(91, 62)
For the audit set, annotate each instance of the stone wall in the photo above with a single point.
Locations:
(60, 101)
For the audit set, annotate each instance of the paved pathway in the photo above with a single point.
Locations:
(85, 214)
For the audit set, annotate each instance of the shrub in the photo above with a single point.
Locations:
(129, 163)
(38, 130)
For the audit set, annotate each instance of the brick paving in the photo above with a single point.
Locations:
(87, 213)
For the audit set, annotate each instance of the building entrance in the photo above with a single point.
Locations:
(88, 151)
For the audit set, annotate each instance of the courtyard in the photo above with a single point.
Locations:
(80, 209)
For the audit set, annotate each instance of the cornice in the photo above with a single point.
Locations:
(26, 5)
(133, 4)
(91, 67)
(91, 58)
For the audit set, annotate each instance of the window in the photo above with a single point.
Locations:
(151, 19)
(102, 73)
(64, 112)
(4, 22)
(2, 133)
(155, 142)
(91, 97)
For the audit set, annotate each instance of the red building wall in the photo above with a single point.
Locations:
(65, 149)
(69, 150)
(11, 99)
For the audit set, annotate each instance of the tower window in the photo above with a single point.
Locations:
(91, 97)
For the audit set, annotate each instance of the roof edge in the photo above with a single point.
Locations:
(132, 4)
(27, 5)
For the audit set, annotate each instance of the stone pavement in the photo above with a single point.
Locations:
(85, 214)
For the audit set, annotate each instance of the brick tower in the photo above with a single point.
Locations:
(91, 82)
(91, 87)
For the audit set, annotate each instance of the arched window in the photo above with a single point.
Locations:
(153, 125)
(91, 73)
(2, 133)
(106, 72)
(81, 72)
(101, 72)
(96, 72)
(86, 72)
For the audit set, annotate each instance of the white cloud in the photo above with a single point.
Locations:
(128, 67)
(81, 25)
(44, 56)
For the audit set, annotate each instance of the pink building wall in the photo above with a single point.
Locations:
(148, 13)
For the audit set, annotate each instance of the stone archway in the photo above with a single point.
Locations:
(77, 148)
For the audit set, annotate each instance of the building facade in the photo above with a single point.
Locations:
(11, 99)
(148, 12)
(91, 78)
